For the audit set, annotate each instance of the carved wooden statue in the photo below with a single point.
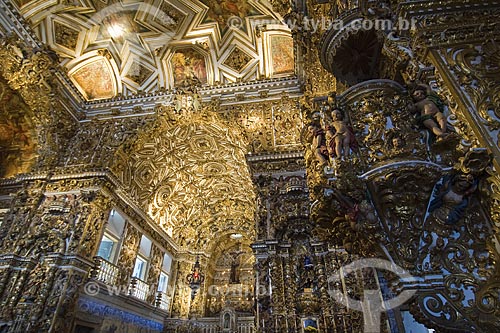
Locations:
(430, 108)
(318, 145)
(452, 198)
(340, 137)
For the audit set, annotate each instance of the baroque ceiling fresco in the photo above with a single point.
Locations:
(121, 48)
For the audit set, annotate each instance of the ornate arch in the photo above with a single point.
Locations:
(18, 141)
(36, 119)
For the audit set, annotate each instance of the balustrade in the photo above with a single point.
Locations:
(138, 289)
(105, 271)
(162, 301)
(211, 325)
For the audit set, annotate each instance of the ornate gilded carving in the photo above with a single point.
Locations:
(95, 142)
(271, 126)
(479, 81)
(281, 6)
(402, 199)
(95, 215)
(182, 297)
(18, 141)
(128, 253)
(237, 60)
(232, 282)
(185, 168)
(65, 36)
(31, 73)
(154, 271)
(190, 175)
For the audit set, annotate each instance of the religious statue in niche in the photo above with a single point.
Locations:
(226, 321)
(234, 276)
(451, 198)
(307, 275)
(235, 272)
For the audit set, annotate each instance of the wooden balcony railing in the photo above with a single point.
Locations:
(105, 271)
(138, 289)
(162, 301)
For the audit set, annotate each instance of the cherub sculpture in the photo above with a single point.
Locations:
(430, 110)
(452, 198)
(340, 137)
(318, 145)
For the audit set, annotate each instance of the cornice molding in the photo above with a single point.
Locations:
(112, 189)
(227, 95)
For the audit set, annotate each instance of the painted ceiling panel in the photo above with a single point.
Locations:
(157, 44)
(95, 80)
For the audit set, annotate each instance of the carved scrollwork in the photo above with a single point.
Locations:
(128, 253)
(440, 309)
(31, 73)
(154, 271)
(479, 80)
(402, 199)
(382, 121)
(190, 175)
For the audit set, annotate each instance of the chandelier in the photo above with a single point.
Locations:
(195, 278)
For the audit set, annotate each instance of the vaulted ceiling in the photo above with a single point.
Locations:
(112, 48)
(188, 171)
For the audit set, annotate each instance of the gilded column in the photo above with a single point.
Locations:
(128, 253)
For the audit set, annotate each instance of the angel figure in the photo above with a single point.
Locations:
(452, 198)
(430, 109)
(318, 145)
(340, 137)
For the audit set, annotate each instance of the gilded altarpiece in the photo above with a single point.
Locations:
(49, 237)
(419, 201)
(294, 271)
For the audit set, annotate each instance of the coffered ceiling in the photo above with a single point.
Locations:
(112, 48)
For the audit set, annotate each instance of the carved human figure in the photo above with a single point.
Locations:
(356, 212)
(227, 318)
(318, 145)
(339, 136)
(196, 102)
(178, 102)
(234, 276)
(395, 144)
(452, 198)
(430, 109)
